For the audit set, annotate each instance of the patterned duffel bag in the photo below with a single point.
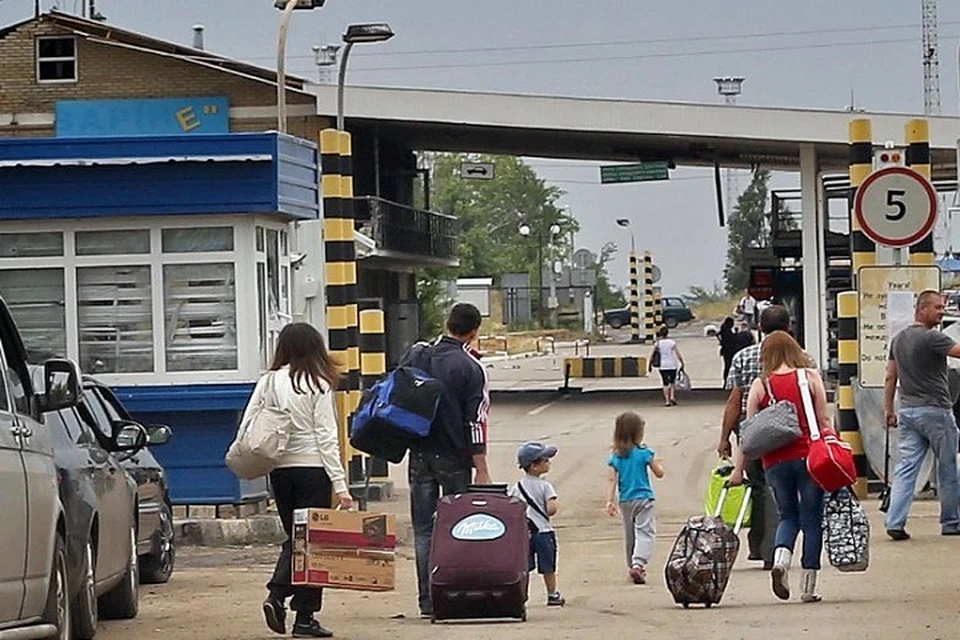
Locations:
(846, 532)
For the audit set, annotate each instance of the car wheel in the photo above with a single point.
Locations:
(157, 566)
(671, 322)
(85, 604)
(57, 610)
(122, 602)
(616, 323)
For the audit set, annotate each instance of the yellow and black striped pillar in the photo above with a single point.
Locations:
(634, 298)
(863, 250)
(657, 307)
(649, 328)
(848, 354)
(373, 364)
(341, 268)
(918, 159)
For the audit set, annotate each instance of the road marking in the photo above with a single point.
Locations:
(542, 408)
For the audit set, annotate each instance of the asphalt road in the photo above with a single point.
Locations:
(910, 590)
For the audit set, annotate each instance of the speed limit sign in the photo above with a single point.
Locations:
(896, 206)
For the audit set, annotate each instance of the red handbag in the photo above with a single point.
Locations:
(830, 461)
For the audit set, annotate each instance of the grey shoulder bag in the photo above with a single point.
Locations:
(775, 426)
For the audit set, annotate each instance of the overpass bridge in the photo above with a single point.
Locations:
(809, 141)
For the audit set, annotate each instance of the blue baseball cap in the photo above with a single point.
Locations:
(530, 452)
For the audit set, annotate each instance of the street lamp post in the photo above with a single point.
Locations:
(552, 302)
(357, 34)
(288, 6)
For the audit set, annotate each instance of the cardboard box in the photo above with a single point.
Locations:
(344, 549)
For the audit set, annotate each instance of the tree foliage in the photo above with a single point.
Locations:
(749, 227)
(490, 214)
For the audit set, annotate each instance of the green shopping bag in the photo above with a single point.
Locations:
(735, 495)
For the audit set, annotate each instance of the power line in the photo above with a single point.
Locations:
(616, 43)
(643, 56)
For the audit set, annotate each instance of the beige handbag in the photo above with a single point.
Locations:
(261, 438)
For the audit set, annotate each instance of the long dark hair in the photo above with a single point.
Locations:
(628, 433)
(301, 346)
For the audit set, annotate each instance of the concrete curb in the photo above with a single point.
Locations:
(252, 531)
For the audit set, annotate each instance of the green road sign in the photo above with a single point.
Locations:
(639, 172)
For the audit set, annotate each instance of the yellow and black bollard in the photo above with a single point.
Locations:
(918, 159)
(634, 298)
(373, 362)
(863, 249)
(657, 307)
(649, 328)
(848, 353)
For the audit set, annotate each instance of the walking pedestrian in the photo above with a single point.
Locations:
(302, 378)
(918, 360)
(666, 357)
(745, 368)
(799, 498)
(731, 341)
(629, 479)
(443, 462)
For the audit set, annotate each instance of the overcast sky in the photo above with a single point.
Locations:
(798, 54)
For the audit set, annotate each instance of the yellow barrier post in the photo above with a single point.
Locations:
(634, 298)
(373, 362)
(649, 328)
(918, 159)
(848, 354)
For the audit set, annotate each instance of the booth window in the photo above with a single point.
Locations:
(57, 59)
(200, 307)
(31, 245)
(114, 311)
(197, 239)
(35, 299)
(106, 243)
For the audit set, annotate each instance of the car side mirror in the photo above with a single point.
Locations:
(158, 434)
(131, 437)
(61, 385)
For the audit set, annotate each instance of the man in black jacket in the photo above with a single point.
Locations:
(457, 444)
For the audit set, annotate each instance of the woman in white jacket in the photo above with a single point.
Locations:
(303, 377)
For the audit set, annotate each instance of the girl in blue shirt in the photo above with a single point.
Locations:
(628, 476)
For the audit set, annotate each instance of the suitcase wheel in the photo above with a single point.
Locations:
(523, 614)
(708, 604)
(686, 605)
(433, 618)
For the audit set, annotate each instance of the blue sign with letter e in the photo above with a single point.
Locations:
(167, 116)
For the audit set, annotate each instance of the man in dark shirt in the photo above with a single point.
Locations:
(457, 444)
(918, 359)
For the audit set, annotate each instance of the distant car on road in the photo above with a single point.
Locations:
(675, 311)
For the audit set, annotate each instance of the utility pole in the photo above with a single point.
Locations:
(931, 61)
(730, 87)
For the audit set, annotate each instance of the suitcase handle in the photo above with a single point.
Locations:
(500, 488)
(743, 506)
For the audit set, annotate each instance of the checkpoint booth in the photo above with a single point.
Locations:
(162, 265)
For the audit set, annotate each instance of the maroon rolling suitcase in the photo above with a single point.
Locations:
(479, 557)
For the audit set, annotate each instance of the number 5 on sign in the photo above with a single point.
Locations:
(896, 206)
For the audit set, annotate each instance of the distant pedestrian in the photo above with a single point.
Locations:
(666, 357)
(731, 341)
(444, 461)
(628, 481)
(542, 504)
(302, 379)
(918, 359)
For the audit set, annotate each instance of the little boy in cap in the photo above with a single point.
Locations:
(541, 498)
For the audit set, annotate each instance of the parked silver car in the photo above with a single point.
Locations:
(34, 595)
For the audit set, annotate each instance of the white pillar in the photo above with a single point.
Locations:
(814, 328)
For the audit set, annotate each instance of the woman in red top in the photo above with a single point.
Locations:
(799, 498)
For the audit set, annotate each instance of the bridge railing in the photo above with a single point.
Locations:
(405, 229)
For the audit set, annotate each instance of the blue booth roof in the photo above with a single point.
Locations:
(159, 175)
